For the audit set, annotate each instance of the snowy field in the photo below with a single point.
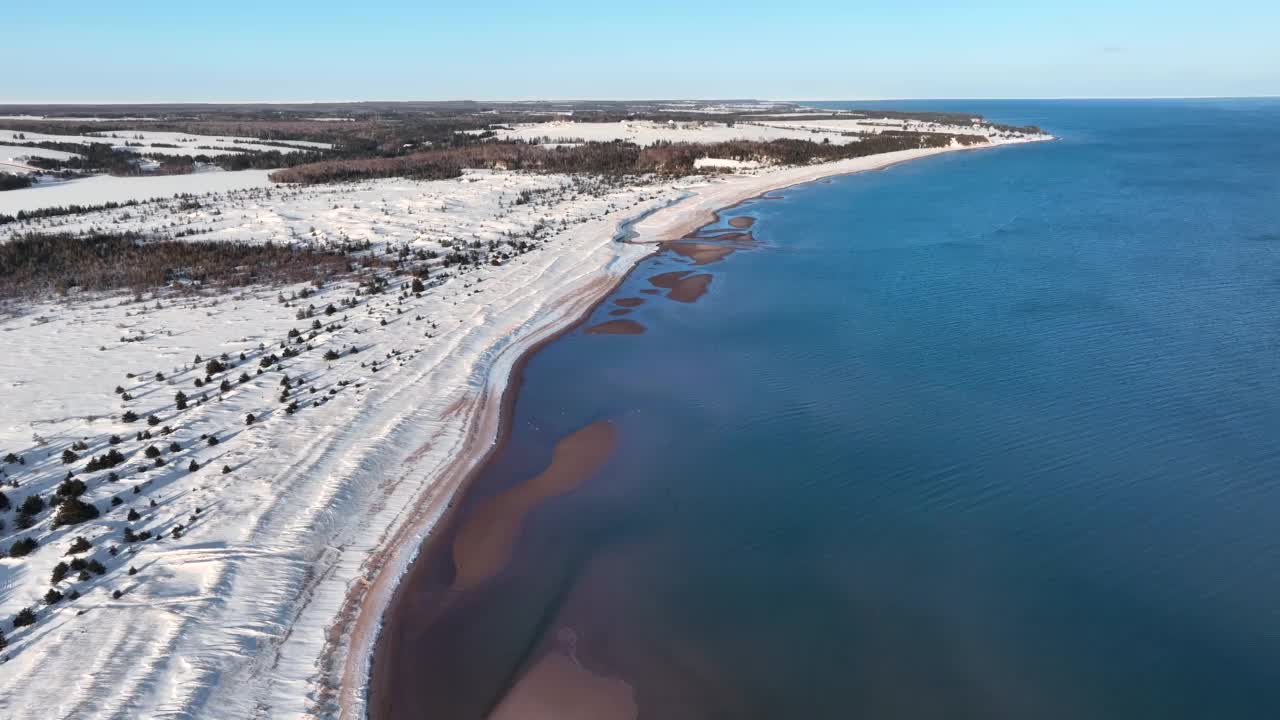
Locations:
(155, 142)
(648, 132)
(255, 592)
(13, 158)
(837, 131)
(101, 189)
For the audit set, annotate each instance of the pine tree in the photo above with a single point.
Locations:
(26, 616)
(22, 548)
(180, 400)
(74, 511)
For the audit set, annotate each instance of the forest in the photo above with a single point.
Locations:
(33, 264)
(615, 158)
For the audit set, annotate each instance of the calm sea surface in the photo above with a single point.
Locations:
(988, 435)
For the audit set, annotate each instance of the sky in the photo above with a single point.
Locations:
(285, 50)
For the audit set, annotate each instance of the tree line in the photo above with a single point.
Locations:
(35, 263)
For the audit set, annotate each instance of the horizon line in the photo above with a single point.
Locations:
(74, 103)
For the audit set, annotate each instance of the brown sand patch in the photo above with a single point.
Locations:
(628, 302)
(700, 253)
(486, 537)
(620, 311)
(558, 687)
(617, 327)
(668, 280)
(742, 222)
(728, 236)
(691, 288)
(651, 291)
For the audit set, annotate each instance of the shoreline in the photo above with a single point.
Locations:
(369, 605)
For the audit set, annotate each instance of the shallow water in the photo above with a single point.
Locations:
(986, 435)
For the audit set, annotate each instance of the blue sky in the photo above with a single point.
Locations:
(79, 51)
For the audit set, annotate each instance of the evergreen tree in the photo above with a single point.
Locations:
(74, 511)
(22, 548)
(26, 616)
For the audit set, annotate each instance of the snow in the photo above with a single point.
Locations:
(837, 131)
(648, 132)
(187, 143)
(268, 603)
(13, 159)
(106, 188)
(725, 163)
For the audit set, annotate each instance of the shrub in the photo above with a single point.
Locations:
(53, 596)
(129, 416)
(97, 568)
(22, 548)
(4, 501)
(59, 573)
(69, 457)
(133, 515)
(26, 616)
(152, 420)
(74, 511)
(213, 367)
(70, 488)
(194, 466)
(79, 545)
(226, 469)
(249, 419)
(151, 452)
(32, 505)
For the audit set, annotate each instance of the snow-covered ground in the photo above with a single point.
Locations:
(101, 189)
(260, 591)
(146, 141)
(798, 126)
(13, 159)
(648, 132)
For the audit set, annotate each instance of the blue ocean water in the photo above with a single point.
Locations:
(987, 435)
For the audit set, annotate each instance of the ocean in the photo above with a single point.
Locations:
(986, 435)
